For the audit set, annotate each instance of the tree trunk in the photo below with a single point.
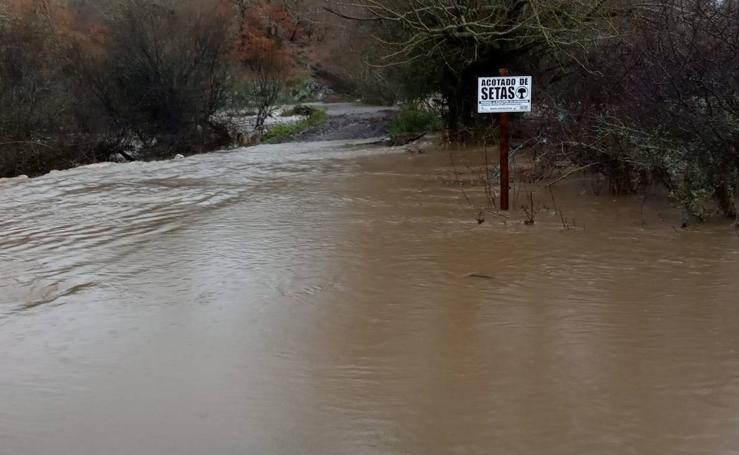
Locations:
(452, 115)
(726, 191)
(736, 202)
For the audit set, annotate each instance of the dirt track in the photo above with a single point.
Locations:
(346, 121)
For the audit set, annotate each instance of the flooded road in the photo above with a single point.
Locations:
(334, 298)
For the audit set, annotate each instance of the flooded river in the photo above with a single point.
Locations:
(340, 298)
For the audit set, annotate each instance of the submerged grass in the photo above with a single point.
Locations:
(281, 132)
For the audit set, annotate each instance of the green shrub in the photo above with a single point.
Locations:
(414, 119)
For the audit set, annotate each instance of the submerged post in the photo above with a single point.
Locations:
(504, 168)
(501, 95)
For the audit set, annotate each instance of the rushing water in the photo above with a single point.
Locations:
(334, 298)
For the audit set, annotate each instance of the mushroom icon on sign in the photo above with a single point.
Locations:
(523, 92)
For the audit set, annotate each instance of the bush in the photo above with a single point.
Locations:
(668, 111)
(414, 119)
(160, 72)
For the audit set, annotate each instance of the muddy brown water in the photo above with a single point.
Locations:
(338, 298)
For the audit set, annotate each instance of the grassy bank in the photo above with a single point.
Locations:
(279, 133)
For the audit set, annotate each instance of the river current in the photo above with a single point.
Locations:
(341, 298)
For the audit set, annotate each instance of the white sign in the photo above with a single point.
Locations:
(504, 94)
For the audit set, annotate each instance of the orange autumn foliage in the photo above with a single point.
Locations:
(267, 38)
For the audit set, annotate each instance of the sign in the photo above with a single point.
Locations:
(504, 94)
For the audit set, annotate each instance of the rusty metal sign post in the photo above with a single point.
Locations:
(505, 178)
(501, 95)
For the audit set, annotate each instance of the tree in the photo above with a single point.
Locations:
(670, 107)
(31, 85)
(264, 63)
(34, 94)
